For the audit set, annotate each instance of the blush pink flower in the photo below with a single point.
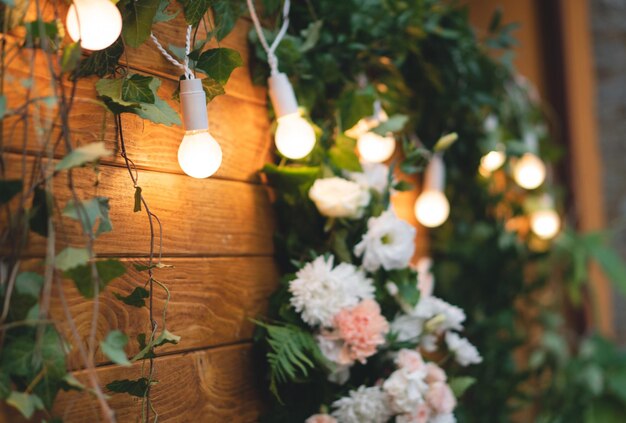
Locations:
(441, 398)
(362, 329)
(420, 415)
(410, 360)
(321, 418)
(434, 373)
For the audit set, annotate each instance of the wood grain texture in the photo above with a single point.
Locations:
(240, 126)
(200, 217)
(217, 385)
(212, 303)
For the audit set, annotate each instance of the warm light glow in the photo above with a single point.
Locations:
(374, 148)
(529, 171)
(492, 161)
(199, 155)
(545, 223)
(97, 26)
(295, 137)
(432, 208)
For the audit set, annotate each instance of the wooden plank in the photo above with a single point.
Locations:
(212, 303)
(579, 80)
(217, 385)
(241, 127)
(200, 217)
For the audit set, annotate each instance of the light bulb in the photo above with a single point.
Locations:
(199, 155)
(96, 23)
(375, 148)
(545, 223)
(432, 208)
(295, 137)
(492, 161)
(529, 171)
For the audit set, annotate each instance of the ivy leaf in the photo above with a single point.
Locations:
(70, 57)
(69, 382)
(113, 347)
(162, 14)
(395, 123)
(9, 188)
(135, 299)
(3, 106)
(212, 88)
(159, 112)
(144, 350)
(107, 271)
(343, 154)
(71, 257)
(219, 63)
(88, 212)
(82, 155)
(355, 105)
(100, 63)
(136, 89)
(402, 186)
(137, 207)
(34, 36)
(41, 209)
(29, 283)
(18, 356)
(111, 91)
(25, 403)
(5, 384)
(461, 384)
(137, 22)
(195, 10)
(311, 36)
(166, 337)
(135, 388)
(226, 13)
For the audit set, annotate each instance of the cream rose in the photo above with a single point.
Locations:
(338, 197)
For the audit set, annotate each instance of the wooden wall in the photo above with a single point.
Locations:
(217, 233)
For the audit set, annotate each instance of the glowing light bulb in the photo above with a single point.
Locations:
(96, 23)
(545, 223)
(529, 172)
(295, 137)
(199, 155)
(375, 148)
(492, 161)
(432, 208)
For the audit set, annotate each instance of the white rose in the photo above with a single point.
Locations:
(374, 176)
(338, 197)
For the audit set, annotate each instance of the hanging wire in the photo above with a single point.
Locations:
(185, 65)
(270, 50)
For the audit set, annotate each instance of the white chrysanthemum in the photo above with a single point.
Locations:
(407, 327)
(447, 315)
(406, 389)
(319, 291)
(442, 418)
(389, 242)
(374, 176)
(364, 405)
(338, 197)
(464, 352)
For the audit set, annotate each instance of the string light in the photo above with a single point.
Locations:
(432, 207)
(199, 155)
(95, 23)
(372, 147)
(295, 137)
(545, 222)
(496, 157)
(529, 171)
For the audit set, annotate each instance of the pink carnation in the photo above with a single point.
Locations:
(420, 415)
(441, 398)
(321, 418)
(410, 360)
(362, 328)
(434, 373)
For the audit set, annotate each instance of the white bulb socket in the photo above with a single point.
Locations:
(193, 105)
(282, 95)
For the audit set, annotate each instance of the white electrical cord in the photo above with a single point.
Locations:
(185, 65)
(272, 60)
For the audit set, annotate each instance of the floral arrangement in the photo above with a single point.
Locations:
(355, 333)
